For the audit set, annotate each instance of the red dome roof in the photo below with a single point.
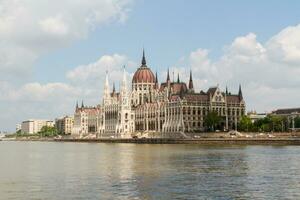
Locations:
(143, 75)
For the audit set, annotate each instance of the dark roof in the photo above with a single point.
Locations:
(211, 90)
(196, 97)
(175, 86)
(162, 86)
(201, 92)
(89, 110)
(233, 98)
(178, 87)
(287, 111)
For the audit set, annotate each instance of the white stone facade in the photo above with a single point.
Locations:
(148, 108)
(64, 125)
(33, 126)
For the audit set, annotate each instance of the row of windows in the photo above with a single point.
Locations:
(189, 111)
(141, 87)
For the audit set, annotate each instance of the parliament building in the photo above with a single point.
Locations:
(153, 109)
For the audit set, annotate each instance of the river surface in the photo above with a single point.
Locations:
(49, 170)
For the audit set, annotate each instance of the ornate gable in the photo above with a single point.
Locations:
(217, 95)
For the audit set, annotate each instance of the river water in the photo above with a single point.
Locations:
(49, 170)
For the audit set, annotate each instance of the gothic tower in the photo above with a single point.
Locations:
(143, 84)
(125, 118)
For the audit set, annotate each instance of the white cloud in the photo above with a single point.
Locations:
(95, 71)
(31, 28)
(54, 25)
(92, 76)
(265, 83)
(246, 46)
(46, 101)
(285, 46)
(35, 27)
(35, 100)
(50, 100)
(269, 73)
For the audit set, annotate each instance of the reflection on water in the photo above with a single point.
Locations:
(140, 171)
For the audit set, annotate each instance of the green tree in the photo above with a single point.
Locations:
(276, 123)
(19, 133)
(211, 120)
(245, 124)
(297, 122)
(47, 131)
(262, 125)
(271, 123)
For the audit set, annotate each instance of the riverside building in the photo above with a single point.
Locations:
(33, 126)
(64, 125)
(156, 110)
(291, 114)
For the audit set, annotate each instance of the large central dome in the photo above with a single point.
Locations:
(143, 73)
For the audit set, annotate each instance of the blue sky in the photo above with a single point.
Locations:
(54, 53)
(170, 29)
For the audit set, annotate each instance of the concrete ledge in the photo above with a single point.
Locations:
(204, 141)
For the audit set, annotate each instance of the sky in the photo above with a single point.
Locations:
(54, 53)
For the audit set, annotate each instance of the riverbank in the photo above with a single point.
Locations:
(216, 138)
(203, 141)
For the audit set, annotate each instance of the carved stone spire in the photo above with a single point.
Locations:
(106, 89)
(124, 82)
(114, 87)
(144, 59)
(168, 75)
(240, 92)
(156, 81)
(191, 84)
(178, 79)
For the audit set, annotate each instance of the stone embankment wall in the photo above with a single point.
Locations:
(204, 141)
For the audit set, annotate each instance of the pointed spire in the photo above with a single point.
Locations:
(77, 105)
(173, 77)
(124, 82)
(191, 84)
(178, 79)
(156, 81)
(226, 91)
(240, 92)
(82, 105)
(168, 75)
(106, 87)
(124, 75)
(114, 87)
(143, 59)
(106, 79)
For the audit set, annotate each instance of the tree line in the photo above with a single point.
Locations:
(46, 131)
(270, 123)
